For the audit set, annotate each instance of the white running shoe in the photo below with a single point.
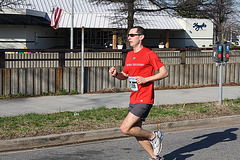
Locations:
(157, 142)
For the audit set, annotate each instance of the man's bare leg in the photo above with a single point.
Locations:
(132, 125)
(144, 142)
(146, 146)
(129, 127)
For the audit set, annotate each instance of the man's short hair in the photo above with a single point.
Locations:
(140, 30)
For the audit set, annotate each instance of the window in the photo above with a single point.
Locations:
(95, 38)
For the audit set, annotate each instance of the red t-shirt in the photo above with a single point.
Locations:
(142, 63)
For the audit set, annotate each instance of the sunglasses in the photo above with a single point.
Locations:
(133, 35)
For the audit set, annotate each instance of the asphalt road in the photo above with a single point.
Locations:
(220, 143)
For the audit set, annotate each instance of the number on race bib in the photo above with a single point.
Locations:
(133, 83)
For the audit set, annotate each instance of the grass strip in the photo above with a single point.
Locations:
(33, 124)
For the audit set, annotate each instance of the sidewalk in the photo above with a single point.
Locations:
(50, 104)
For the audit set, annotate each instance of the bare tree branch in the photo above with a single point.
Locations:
(9, 3)
(219, 11)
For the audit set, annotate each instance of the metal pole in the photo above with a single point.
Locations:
(82, 72)
(72, 16)
(220, 83)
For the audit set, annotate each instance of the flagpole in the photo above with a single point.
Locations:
(71, 37)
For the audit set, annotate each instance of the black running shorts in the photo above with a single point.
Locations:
(140, 110)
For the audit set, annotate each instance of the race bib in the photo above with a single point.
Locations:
(133, 83)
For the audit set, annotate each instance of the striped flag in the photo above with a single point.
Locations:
(55, 18)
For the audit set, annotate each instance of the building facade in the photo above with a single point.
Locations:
(105, 26)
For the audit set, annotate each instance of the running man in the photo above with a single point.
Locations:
(139, 69)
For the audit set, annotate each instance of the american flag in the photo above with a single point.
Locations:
(55, 18)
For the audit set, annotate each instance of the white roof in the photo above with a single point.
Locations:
(92, 15)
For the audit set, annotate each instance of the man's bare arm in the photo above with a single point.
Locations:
(121, 76)
(162, 73)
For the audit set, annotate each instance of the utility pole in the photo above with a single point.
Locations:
(71, 34)
(82, 70)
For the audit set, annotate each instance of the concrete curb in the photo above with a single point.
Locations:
(88, 136)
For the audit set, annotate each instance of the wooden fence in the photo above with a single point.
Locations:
(101, 59)
(43, 60)
(36, 80)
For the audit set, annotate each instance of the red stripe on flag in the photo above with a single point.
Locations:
(56, 15)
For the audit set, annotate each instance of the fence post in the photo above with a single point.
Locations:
(183, 56)
(61, 59)
(2, 59)
(124, 55)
